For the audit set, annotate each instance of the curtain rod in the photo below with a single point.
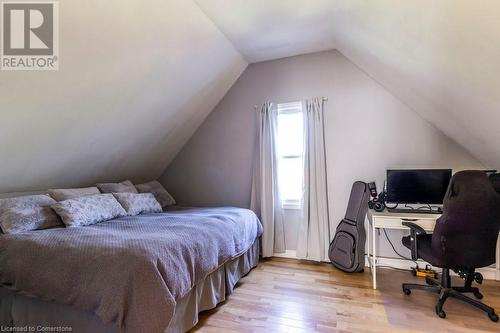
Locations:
(324, 99)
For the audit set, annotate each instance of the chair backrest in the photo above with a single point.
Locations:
(495, 180)
(466, 234)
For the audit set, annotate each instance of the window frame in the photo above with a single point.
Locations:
(287, 109)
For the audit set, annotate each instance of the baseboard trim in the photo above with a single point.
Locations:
(489, 273)
(291, 254)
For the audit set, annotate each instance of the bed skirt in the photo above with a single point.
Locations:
(20, 311)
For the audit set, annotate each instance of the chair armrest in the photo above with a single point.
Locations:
(414, 227)
(415, 230)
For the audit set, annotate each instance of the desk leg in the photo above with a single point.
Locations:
(369, 248)
(374, 258)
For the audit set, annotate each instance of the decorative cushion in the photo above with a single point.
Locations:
(163, 197)
(123, 187)
(138, 203)
(27, 213)
(88, 210)
(71, 193)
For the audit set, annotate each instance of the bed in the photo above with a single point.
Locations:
(146, 273)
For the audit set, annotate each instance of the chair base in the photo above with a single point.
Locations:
(445, 290)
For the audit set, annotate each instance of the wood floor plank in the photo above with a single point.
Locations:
(287, 296)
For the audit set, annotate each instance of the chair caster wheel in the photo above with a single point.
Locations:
(440, 313)
(493, 316)
(478, 295)
(407, 291)
(478, 278)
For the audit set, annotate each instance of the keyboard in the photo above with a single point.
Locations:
(414, 211)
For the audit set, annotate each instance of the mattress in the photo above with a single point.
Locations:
(132, 273)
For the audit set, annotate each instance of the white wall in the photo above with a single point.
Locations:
(438, 57)
(136, 79)
(367, 131)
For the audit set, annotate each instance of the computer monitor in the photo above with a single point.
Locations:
(420, 186)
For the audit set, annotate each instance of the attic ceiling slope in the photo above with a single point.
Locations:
(134, 83)
(272, 29)
(438, 57)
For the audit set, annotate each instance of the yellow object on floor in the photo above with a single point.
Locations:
(427, 272)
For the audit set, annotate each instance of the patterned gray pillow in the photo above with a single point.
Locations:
(27, 213)
(88, 210)
(71, 193)
(138, 203)
(123, 187)
(163, 197)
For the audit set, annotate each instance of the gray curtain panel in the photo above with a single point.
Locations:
(265, 200)
(314, 231)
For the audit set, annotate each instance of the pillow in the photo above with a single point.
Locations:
(163, 197)
(88, 210)
(138, 203)
(71, 193)
(27, 213)
(123, 187)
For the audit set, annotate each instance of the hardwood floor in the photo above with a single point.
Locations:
(286, 295)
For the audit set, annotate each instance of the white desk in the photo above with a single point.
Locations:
(386, 220)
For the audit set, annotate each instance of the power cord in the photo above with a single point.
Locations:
(394, 249)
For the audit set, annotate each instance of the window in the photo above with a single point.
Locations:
(290, 150)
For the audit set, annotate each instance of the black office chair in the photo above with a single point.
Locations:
(495, 180)
(464, 239)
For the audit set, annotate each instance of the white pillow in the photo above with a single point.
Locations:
(88, 210)
(138, 203)
(125, 186)
(163, 197)
(72, 193)
(27, 213)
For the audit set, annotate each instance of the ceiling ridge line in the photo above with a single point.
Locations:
(222, 32)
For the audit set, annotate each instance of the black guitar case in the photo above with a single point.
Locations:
(347, 250)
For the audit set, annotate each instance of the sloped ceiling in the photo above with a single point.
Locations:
(265, 30)
(136, 79)
(441, 58)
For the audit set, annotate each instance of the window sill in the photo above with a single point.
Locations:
(288, 206)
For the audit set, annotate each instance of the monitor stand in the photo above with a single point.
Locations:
(415, 211)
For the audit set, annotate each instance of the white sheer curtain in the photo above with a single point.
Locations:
(265, 201)
(314, 231)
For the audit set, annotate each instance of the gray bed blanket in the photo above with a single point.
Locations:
(128, 271)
